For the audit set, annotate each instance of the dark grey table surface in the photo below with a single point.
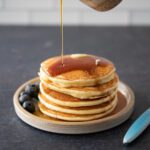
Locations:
(23, 48)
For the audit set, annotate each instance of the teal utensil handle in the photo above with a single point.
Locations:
(137, 127)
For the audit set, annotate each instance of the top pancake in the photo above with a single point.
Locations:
(78, 70)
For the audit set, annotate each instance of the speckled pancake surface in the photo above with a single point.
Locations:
(79, 77)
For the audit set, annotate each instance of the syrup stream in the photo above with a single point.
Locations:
(62, 32)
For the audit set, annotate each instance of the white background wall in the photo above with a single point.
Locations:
(45, 12)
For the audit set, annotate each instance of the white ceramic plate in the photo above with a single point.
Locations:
(76, 127)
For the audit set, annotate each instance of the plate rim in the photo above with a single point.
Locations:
(18, 107)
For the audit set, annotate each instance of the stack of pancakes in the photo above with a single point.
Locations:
(72, 93)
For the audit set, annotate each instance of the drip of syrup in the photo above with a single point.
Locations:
(88, 63)
(62, 32)
(65, 64)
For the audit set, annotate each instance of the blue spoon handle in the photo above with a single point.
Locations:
(137, 127)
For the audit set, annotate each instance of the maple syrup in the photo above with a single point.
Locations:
(61, 31)
(87, 63)
(67, 63)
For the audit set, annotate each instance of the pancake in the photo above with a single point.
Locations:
(79, 87)
(67, 100)
(78, 110)
(84, 92)
(73, 117)
(78, 77)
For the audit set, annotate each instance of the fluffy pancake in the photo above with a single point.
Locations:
(67, 100)
(79, 77)
(80, 88)
(84, 92)
(78, 110)
(74, 117)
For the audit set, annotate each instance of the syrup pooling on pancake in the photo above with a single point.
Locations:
(91, 71)
(87, 63)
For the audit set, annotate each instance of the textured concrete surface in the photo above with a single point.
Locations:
(23, 48)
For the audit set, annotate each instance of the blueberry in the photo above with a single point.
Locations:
(29, 106)
(23, 93)
(32, 90)
(24, 98)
